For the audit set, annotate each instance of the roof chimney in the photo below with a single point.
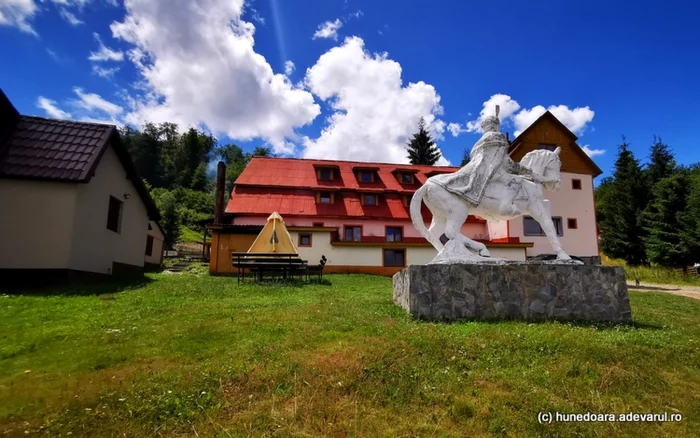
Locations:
(220, 187)
(8, 116)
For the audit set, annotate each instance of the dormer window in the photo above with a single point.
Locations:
(366, 176)
(326, 173)
(406, 178)
(369, 199)
(407, 200)
(325, 197)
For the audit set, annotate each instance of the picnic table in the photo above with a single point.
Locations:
(261, 263)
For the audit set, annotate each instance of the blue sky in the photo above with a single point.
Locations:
(363, 71)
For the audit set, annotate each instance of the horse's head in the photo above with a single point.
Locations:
(546, 164)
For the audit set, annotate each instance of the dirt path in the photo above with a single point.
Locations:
(684, 290)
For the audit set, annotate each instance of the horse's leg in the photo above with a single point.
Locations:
(539, 212)
(437, 228)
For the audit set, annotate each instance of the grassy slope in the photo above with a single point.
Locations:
(188, 353)
(652, 274)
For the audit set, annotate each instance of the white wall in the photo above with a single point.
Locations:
(94, 246)
(341, 255)
(36, 224)
(567, 203)
(157, 253)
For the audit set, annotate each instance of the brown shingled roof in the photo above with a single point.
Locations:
(53, 149)
(60, 150)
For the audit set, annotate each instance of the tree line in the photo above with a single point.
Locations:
(175, 167)
(650, 213)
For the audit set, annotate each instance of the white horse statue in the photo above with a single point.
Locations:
(492, 186)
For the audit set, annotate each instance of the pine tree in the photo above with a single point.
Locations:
(661, 221)
(170, 219)
(621, 228)
(199, 179)
(422, 148)
(661, 163)
(465, 158)
(689, 218)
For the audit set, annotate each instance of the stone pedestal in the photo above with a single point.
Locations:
(513, 290)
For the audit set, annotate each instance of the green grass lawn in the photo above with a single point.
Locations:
(197, 355)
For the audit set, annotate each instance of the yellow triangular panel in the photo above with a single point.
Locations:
(274, 237)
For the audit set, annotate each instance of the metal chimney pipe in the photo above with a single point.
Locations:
(220, 187)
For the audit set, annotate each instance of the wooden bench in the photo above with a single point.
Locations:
(260, 263)
(318, 269)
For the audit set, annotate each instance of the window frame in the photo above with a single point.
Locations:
(352, 227)
(325, 169)
(394, 250)
(330, 198)
(560, 228)
(572, 220)
(394, 227)
(365, 172)
(311, 240)
(120, 213)
(376, 199)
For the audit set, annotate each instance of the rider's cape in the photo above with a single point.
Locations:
(486, 158)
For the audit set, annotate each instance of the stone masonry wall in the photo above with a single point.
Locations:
(526, 291)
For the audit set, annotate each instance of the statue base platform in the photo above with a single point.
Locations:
(513, 290)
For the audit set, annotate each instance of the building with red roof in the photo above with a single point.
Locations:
(357, 215)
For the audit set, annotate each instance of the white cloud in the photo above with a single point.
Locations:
(289, 67)
(70, 17)
(373, 113)
(17, 13)
(198, 67)
(329, 29)
(104, 72)
(92, 102)
(575, 119)
(508, 107)
(105, 53)
(49, 106)
(592, 152)
(455, 129)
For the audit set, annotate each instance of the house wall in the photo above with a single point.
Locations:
(94, 247)
(369, 227)
(36, 224)
(156, 256)
(567, 203)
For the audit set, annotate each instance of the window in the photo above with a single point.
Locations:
(149, 245)
(394, 234)
(366, 176)
(576, 184)
(572, 223)
(407, 200)
(394, 257)
(369, 199)
(150, 228)
(114, 214)
(325, 174)
(549, 147)
(325, 198)
(304, 239)
(318, 224)
(532, 228)
(353, 234)
(406, 178)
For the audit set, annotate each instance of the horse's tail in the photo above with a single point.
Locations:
(416, 216)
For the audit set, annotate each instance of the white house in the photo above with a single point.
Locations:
(71, 203)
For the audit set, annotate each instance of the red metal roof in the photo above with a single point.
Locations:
(300, 173)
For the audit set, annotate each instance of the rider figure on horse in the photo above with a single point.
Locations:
(489, 161)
